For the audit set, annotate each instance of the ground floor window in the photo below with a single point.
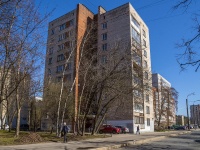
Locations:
(139, 120)
(148, 121)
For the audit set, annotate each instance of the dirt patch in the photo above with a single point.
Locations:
(30, 138)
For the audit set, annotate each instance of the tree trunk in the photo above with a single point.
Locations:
(18, 117)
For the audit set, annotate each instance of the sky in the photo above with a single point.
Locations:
(167, 28)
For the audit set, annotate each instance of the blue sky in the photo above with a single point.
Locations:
(167, 27)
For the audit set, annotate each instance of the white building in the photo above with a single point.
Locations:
(123, 26)
(164, 104)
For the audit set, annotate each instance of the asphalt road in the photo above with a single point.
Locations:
(189, 141)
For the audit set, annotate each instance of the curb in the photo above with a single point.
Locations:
(134, 142)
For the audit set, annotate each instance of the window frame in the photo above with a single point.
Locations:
(104, 47)
(104, 36)
(148, 122)
(147, 110)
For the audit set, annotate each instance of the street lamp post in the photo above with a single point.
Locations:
(187, 110)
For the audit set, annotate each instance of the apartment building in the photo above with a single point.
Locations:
(164, 103)
(121, 30)
(65, 36)
(180, 120)
(195, 114)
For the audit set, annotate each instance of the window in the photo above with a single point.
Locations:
(50, 50)
(148, 121)
(67, 34)
(60, 68)
(61, 37)
(52, 31)
(147, 110)
(144, 33)
(138, 107)
(71, 32)
(137, 80)
(134, 21)
(69, 23)
(137, 93)
(104, 36)
(60, 57)
(50, 60)
(147, 98)
(145, 64)
(104, 47)
(104, 25)
(104, 59)
(62, 26)
(137, 58)
(61, 47)
(144, 43)
(146, 75)
(145, 53)
(139, 120)
(69, 66)
(135, 35)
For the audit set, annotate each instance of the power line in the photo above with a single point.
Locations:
(149, 5)
(161, 18)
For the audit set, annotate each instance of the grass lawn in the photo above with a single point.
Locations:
(26, 137)
(7, 138)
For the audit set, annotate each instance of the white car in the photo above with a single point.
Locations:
(6, 127)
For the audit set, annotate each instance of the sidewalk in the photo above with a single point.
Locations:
(116, 141)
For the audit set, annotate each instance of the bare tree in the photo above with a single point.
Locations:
(165, 104)
(190, 45)
(20, 52)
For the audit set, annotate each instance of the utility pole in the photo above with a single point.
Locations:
(188, 115)
(187, 109)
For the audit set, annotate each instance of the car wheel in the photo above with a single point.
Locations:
(114, 132)
(100, 132)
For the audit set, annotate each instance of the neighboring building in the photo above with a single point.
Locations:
(164, 104)
(65, 35)
(121, 25)
(5, 86)
(180, 120)
(195, 114)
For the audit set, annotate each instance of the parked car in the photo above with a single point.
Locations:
(6, 127)
(123, 129)
(109, 129)
(180, 128)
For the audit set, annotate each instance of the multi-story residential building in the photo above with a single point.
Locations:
(164, 103)
(180, 120)
(65, 36)
(121, 29)
(195, 114)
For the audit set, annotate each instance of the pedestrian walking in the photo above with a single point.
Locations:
(138, 130)
(65, 130)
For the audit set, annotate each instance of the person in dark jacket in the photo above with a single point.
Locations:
(65, 130)
(138, 129)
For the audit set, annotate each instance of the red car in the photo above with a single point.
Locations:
(109, 129)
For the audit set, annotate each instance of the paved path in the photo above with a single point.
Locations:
(115, 141)
(180, 142)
